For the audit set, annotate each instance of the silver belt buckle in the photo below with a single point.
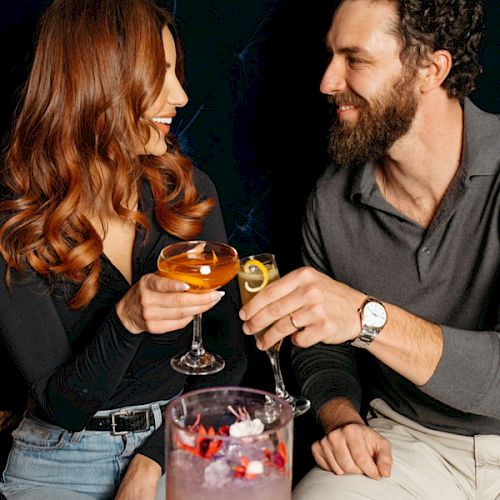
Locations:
(114, 424)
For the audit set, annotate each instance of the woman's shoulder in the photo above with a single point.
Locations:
(203, 183)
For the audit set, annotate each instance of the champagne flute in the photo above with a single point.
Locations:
(204, 266)
(256, 272)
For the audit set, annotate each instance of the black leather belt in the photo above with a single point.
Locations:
(122, 422)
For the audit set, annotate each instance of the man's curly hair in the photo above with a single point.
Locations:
(453, 25)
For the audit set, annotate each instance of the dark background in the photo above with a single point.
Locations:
(256, 122)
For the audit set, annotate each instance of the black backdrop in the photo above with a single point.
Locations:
(256, 122)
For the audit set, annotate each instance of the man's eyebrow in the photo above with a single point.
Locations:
(355, 49)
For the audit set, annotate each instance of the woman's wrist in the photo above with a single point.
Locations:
(120, 312)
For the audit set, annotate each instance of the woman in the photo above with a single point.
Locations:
(95, 189)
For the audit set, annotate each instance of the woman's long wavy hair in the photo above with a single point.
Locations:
(98, 66)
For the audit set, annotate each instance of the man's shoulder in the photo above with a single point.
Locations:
(482, 131)
(335, 185)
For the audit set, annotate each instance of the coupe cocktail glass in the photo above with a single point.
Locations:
(229, 443)
(204, 266)
(256, 272)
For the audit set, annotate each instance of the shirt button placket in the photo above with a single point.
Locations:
(423, 260)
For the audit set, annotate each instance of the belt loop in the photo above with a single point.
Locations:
(76, 436)
(158, 412)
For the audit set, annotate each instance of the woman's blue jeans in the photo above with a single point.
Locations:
(45, 459)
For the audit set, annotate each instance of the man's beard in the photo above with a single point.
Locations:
(380, 124)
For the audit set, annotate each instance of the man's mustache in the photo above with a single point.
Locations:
(343, 98)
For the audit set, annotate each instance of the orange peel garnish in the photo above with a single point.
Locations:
(214, 257)
(265, 273)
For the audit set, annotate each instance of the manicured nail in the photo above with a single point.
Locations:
(243, 315)
(246, 329)
(217, 295)
(260, 344)
(182, 287)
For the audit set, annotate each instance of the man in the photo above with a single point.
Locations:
(401, 237)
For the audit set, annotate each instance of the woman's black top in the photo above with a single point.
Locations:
(76, 362)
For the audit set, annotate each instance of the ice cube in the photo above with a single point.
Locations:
(217, 474)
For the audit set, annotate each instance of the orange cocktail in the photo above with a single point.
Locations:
(203, 271)
(204, 266)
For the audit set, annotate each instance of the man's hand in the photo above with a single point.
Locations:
(141, 480)
(325, 309)
(354, 449)
(350, 446)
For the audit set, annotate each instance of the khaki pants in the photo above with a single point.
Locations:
(427, 465)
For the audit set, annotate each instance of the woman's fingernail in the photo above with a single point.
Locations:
(245, 329)
(243, 315)
(217, 295)
(260, 344)
(182, 287)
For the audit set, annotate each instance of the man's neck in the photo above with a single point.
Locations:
(420, 166)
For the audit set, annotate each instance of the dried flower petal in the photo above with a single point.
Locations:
(247, 428)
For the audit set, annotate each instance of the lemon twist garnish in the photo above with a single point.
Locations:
(214, 257)
(265, 274)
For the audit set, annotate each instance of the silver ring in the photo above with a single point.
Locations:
(298, 328)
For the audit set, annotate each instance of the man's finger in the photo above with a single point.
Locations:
(331, 457)
(363, 459)
(322, 461)
(383, 458)
(273, 293)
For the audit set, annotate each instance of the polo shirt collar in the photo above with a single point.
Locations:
(481, 151)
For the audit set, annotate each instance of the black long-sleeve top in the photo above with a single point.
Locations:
(77, 362)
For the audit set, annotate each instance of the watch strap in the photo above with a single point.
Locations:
(366, 337)
(367, 334)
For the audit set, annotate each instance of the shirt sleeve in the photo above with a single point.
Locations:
(222, 333)
(470, 383)
(68, 387)
(468, 374)
(324, 371)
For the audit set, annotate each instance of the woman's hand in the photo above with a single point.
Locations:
(156, 304)
(141, 480)
(323, 310)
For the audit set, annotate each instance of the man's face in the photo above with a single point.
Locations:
(375, 97)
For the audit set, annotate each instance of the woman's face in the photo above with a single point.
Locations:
(172, 96)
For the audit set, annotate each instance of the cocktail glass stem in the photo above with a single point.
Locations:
(197, 342)
(279, 383)
(299, 404)
(197, 361)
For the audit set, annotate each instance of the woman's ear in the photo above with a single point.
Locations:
(435, 71)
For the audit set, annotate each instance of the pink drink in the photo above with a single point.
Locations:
(184, 485)
(229, 443)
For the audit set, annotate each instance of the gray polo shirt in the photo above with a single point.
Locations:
(447, 274)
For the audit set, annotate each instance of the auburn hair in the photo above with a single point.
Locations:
(98, 66)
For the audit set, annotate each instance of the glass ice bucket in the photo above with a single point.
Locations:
(229, 443)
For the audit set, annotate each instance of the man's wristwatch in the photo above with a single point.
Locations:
(373, 318)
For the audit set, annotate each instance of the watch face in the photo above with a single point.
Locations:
(374, 315)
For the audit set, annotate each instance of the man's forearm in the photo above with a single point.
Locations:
(409, 345)
(338, 412)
